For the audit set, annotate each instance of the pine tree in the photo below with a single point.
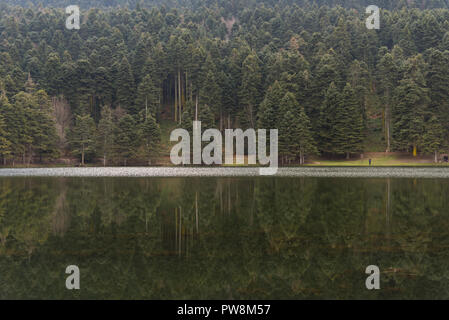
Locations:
(5, 143)
(148, 96)
(53, 74)
(269, 114)
(27, 125)
(105, 135)
(296, 139)
(348, 127)
(125, 85)
(126, 138)
(150, 133)
(433, 139)
(327, 119)
(437, 79)
(411, 103)
(210, 93)
(249, 93)
(81, 137)
(387, 82)
(9, 137)
(44, 137)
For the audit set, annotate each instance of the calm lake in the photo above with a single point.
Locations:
(293, 236)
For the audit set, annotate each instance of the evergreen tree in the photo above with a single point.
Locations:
(348, 128)
(8, 136)
(411, 102)
(387, 82)
(126, 138)
(150, 133)
(270, 115)
(327, 122)
(249, 93)
(5, 143)
(81, 137)
(105, 135)
(437, 78)
(433, 139)
(148, 96)
(125, 85)
(44, 137)
(296, 139)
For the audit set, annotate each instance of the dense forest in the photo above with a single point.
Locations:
(111, 90)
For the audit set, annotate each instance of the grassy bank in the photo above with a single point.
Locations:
(380, 160)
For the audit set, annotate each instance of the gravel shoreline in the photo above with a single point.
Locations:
(324, 172)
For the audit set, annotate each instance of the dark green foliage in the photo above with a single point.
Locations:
(175, 60)
(433, 139)
(105, 135)
(126, 139)
(81, 137)
(150, 133)
(411, 107)
(295, 136)
(348, 127)
(125, 85)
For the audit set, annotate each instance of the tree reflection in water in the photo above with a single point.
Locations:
(224, 238)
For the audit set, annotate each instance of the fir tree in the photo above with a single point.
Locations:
(81, 137)
(150, 134)
(296, 139)
(125, 85)
(105, 135)
(433, 139)
(126, 138)
(348, 127)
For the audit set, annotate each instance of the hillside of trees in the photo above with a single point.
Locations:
(232, 4)
(106, 93)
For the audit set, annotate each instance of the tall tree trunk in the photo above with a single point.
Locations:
(176, 101)
(82, 155)
(30, 156)
(187, 86)
(146, 107)
(180, 95)
(196, 211)
(436, 156)
(180, 230)
(387, 126)
(196, 108)
(104, 160)
(176, 228)
(388, 206)
(347, 155)
(229, 197)
(251, 115)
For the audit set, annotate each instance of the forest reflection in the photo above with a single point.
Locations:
(224, 238)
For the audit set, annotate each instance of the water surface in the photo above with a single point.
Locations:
(224, 237)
